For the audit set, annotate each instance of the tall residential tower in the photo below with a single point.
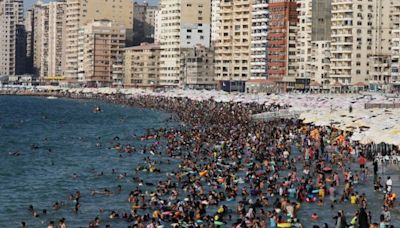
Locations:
(259, 42)
(282, 33)
(12, 38)
(81, 12)
(184, 24)
(233, 47)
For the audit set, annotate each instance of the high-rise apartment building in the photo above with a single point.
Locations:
(259, 42)
(29, 29)
(380, 58)
(304, 33)
(72, 21)
(142, 65)
(215, 20)
(139, 17)
(395, 41)
(40, 38)
(12, 38)
(56, 38)
(143, 23)
(184, 24)
(150, 22)
(49, 24)
(319, 66)
(282, 33)
(157, 26)
(233, 47)
(100, 47)
(358, 40)
(81, 12)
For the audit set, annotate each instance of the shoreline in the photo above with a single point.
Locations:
(321, 111)
(131, 100)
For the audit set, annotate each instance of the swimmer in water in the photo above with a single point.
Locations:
(97, 109)
(77, 206)
(51, 224)
(15, 154)
(56, 206)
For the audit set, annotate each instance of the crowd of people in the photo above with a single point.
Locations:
(239, 172)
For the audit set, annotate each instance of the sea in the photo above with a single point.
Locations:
(51, 148)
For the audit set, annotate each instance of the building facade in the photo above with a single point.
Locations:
(304, 33)
(29, 29)
(358, 37)
(157, 26)
(150, 22)
(380, 58)
(321, 42)
(282, 33)
(198, 68)
(142, 65)
(143, 23)
(81, 12)
(12, 48)
(56, 38)
(395, 61)
(215, 20)
(101, 44)
(117, 70)
(184, 24)
(259, 42)
(320, 63)
(233, 47)
(41, 42)
(49, 24)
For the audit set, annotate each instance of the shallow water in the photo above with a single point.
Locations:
(71, 130)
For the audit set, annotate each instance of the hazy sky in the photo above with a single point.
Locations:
(29, 3)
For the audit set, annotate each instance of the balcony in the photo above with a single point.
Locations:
(342, 2)
(342, 50)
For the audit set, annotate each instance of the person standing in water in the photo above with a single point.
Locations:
(389, 184)
(375, 164)
(61, 223)
(51, 224)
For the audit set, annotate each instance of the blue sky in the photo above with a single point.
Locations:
(29, 3)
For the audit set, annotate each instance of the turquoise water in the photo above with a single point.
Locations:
(69, 128)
